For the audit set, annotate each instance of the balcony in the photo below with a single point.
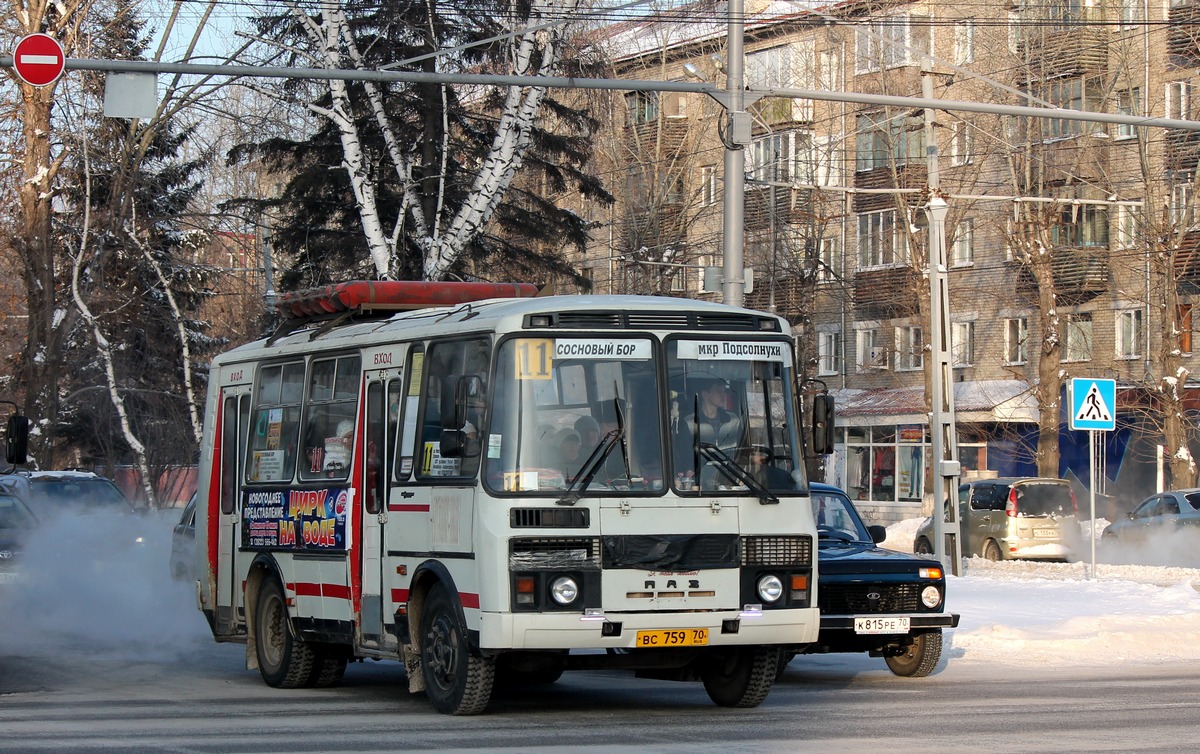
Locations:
(1187, 263)
(1182, 153)
(886, 292)
(1067, 50)
(1183, 35)
(1080, 274)
(908, 176)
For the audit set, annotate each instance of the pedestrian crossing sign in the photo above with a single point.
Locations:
(1093, 404)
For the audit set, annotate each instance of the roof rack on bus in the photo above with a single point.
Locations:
(333, 304)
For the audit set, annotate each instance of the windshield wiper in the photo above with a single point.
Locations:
(828, 532)
(734, 472)
(596, 459)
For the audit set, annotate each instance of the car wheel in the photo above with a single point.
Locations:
(456, 682)
(921, 658)
(991, 551)
(922, 547)
(741, 677)
(284, 661)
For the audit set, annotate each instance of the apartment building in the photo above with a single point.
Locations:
(1072, 246)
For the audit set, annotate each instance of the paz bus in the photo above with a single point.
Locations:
(494, 487)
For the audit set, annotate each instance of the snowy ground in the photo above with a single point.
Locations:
(1023, 613)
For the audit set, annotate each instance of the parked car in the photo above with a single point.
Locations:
(885, 603)
(52, 492)
(1030, 518)
(16, 523)
(183, 544)
(1157, 523)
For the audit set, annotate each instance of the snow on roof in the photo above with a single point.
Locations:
(1007, 400)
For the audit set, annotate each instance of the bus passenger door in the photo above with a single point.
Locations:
(235, 416)
(380, 423)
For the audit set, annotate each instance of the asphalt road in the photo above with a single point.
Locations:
(201, 698)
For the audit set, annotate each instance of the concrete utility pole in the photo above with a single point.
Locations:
(737, 135)
(943, 433)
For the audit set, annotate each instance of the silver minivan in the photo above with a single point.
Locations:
(1031, 518)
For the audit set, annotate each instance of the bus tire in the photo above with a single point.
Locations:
(328, 668)
(284, 661)
(456, 682)
(741, 676)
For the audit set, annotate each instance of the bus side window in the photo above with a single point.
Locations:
(271, 451)
(447, 364)
(408, 414)
(329, 418)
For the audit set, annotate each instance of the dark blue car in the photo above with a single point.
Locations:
(886, 603)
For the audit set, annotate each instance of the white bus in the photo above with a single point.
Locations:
(500, 490)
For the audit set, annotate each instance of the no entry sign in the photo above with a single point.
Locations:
(39, 59)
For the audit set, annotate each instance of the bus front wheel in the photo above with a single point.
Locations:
(742, 676)
(456, 682)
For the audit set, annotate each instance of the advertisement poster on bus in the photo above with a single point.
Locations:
(313, 520)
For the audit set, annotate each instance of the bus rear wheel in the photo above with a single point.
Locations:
(284, 661)
(742, 676)
(456, 682)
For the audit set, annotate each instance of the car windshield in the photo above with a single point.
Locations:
(837, 519)
(1037, 499)
(89, 495)
(13, 514)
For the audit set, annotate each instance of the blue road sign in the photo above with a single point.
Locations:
(1093, 404)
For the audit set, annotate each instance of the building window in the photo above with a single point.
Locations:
(1016, 335)
(964, 42)
(880, 242)
(786, 156)
(882, 43)
(679, 280)
(882, 142)
(1129, 102)
(1179, 100)
(962, 143)
(1131, 14)
(1129, 333)
(769, 68)
(828, 258)
(640, 108)
(708, 185)
(871, 356)
(910, 347)
(1081, 225)
(963, 252)
(829, 356)
(1078, 345)
(1183, 213)
(1127, 226)
(1185, 328)
(962, 344)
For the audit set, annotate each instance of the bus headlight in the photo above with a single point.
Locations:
(564, 590)
(770, 588)
(931, 596)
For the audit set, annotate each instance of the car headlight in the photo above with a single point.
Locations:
(770, 588)
(564, 590)
(931, 596)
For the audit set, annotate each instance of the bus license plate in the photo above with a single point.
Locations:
(886, 624)
(677, 637)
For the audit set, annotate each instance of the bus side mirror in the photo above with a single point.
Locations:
(16, 442)
(822, 424)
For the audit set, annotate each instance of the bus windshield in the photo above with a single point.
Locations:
(555, 402)
(731, 412)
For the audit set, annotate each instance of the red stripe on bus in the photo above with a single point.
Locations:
(408, 508)
(467, 599)
(309, 589)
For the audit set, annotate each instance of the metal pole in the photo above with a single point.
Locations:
(1092, 495)
(733, 288)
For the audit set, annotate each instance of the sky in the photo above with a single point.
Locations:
(123, 604)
